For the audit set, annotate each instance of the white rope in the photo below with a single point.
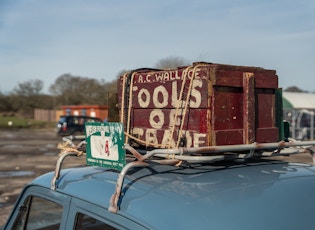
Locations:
(178, 107)
(186, 105)
(129, 106)
(122, 109)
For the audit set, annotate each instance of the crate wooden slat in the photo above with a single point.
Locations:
(226, 105)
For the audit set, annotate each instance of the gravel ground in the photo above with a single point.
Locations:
(26, 154)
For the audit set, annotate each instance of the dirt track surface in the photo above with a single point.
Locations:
(26, 154)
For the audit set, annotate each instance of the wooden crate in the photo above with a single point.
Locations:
(203, 104)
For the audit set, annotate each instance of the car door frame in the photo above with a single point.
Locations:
(101, 214)
(44, 193)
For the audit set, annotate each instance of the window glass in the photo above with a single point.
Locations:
(62, 120)
(81, 121)
(68, 112)
(70, 121)
(75, 120)
(38, 213)
(86, 222)
(20, 221)
(44, 214)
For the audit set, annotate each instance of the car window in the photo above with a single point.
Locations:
(62, 120)
(90, 119)
(81, 121)
(86, 222)
(75, 120)
(38, 213)
(70, 121)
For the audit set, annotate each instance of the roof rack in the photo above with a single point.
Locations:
(193, 155)
(205, 155)
(68, 148)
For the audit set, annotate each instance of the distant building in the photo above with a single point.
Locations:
(299, 110)
(86, 110)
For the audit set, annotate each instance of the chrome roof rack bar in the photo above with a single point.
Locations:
(277, 148)
(58, 167)
(68, 148)
(207, 154)
(113, 203)
(177, 156)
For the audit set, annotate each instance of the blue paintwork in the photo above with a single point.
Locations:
(265, 195)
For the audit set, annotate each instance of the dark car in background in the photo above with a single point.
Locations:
(73, 125)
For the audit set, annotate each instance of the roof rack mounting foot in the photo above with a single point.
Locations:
(58, 166)
(113, 204)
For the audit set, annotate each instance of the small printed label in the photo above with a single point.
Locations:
(105, 145)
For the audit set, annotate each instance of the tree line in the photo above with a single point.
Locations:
(72, 90)
(66, 90)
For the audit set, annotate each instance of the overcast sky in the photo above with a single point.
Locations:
(44, 39)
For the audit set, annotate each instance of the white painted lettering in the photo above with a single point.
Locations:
(144, 98)
(160, 90)
(151, 137)
(199, 139)
(188, 139)
(195, 94)
(175, 120)
(158, 77)
(175, 94)
(148, 78)
(140, 79)
(167, 140)
(156, 118)
(166, 76)
(137, 132)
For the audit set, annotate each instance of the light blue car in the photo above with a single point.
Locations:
(251, 195)
(228, 192)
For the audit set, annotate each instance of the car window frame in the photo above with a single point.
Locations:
(92, 210)
(44, 193)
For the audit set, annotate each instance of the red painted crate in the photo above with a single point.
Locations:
(203, 104)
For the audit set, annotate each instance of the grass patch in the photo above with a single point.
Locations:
(12, 122)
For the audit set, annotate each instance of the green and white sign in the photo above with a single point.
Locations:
(105, 144)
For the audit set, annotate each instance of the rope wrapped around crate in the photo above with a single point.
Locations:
(123, 119)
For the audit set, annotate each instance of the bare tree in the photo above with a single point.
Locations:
(27, 96)
(29, 88)
(74, 90)
(171, 63)
(294, 89)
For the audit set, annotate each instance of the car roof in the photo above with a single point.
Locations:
(252, 195)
